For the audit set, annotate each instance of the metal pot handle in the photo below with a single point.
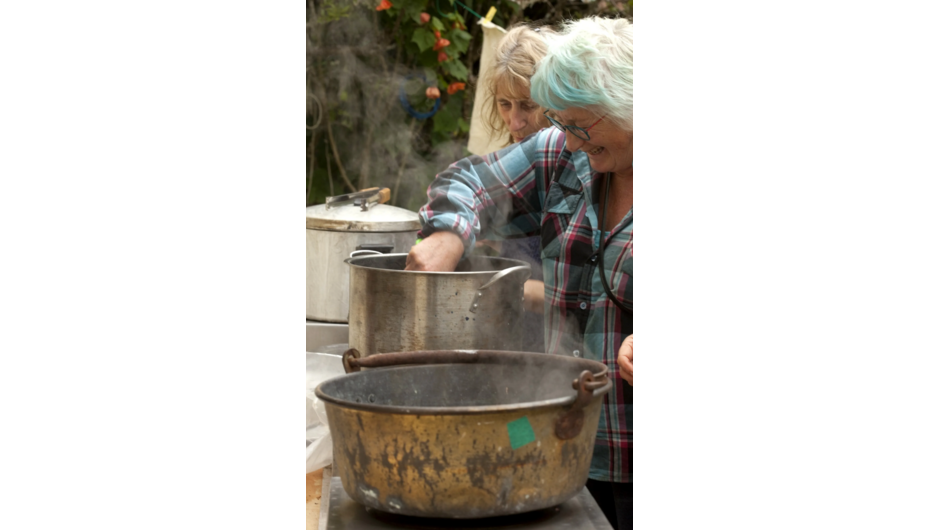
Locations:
(519, 272)
(362, 252)
(569, 424)
(353, 360)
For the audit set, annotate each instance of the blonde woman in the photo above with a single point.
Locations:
(510, 111)
(511, 114)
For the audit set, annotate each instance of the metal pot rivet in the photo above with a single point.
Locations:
(371, 398)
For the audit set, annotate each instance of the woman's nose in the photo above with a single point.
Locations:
(518, 120)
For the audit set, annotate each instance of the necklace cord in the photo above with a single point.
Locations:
(600, 252)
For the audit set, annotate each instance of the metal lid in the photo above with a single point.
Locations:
(350, 218)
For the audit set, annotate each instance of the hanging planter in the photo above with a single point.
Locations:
(403, 97)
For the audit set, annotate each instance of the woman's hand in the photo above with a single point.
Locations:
(439, 251)
(533, 297)
(625, 359)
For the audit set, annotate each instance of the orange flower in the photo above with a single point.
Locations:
(454, 87)
(437, 34)
(432, 92)
(441, 56)
(441, 43)
(425, 18)
(385, 4)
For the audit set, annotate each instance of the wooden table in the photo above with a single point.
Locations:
(314, 493)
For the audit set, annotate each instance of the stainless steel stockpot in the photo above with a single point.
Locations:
(478, 306)
(333, 233)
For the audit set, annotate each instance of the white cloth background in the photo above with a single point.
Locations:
(481, 140)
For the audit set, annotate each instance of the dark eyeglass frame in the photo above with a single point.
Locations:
(577, 131)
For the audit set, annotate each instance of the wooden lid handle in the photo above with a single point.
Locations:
(385, 195)
(377, 197)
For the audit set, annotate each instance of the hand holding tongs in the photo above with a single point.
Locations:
(363, 198)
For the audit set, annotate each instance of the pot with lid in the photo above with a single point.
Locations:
(477, 306)
(347, 223)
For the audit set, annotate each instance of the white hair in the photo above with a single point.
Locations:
(589, 64)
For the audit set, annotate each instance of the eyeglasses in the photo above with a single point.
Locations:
(580, 132)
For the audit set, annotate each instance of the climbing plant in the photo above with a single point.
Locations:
(390, 86)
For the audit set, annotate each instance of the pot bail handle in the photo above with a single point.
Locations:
(519, 273)
(569, 424)
(351, 360)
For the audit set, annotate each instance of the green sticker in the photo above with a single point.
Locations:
(520, 432)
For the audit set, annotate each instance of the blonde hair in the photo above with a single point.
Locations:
(516, 58)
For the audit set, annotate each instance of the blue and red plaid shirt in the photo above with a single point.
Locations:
(537, 187)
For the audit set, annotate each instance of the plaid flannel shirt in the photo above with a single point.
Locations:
(537, 187)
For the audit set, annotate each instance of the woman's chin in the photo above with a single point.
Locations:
(599, 161)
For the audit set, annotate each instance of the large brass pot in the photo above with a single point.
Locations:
(463, 433)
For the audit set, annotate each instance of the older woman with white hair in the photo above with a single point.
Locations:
(571, 184)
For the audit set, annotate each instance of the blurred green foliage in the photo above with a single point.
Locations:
(359, 62)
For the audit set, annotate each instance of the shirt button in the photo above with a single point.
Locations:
(577, 353)
(583, 305)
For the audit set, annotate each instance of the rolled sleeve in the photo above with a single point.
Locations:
(497, 196)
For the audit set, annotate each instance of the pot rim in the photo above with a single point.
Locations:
(453, 411)
(349, 261)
